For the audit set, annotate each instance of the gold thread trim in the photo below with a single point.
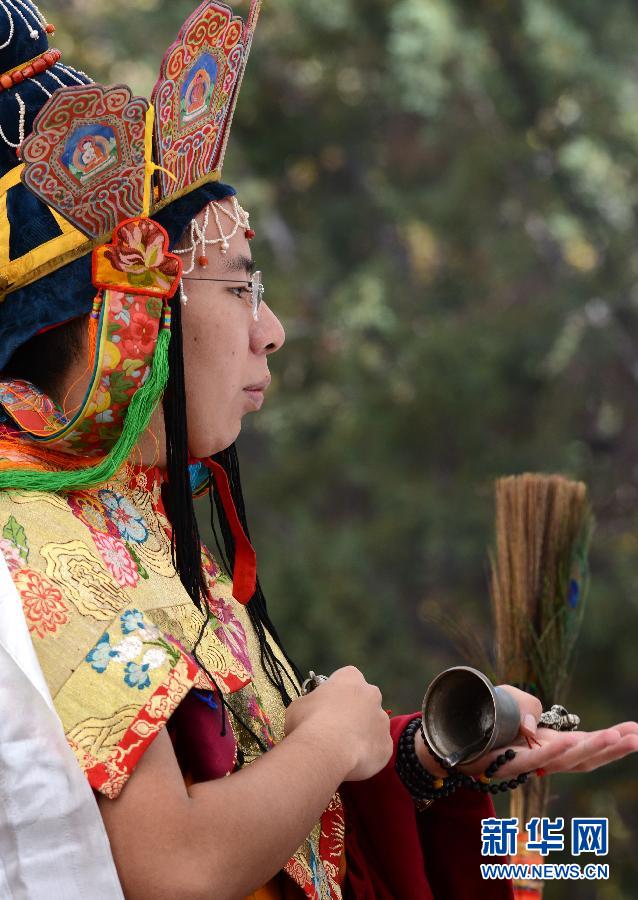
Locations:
(63, 224)
(44, 260)
(4, 230)
(11, 178)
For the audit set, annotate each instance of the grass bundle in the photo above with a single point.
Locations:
(539, 584)
(540, 577)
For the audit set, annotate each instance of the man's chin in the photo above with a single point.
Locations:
(206, 448)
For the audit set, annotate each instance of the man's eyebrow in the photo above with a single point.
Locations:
(240, 264)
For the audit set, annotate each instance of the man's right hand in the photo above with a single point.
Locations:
(344, 716)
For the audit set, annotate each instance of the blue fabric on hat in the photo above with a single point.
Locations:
(22, 47)
(69, 292)
(31, 222)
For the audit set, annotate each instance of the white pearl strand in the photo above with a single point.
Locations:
(42, 87)
(11, 26)
(33, 32)
(21, 122)
(34, 11)
(240, 219)
(52, 75)
(73, 73)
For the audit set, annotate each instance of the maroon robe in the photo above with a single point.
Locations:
(392, 852)
(395, 853)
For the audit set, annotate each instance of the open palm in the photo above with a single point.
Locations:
(563, 751)
(558, 751)
(548, 750)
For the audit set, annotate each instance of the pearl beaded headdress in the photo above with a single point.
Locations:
(197, 239)
(239, 218)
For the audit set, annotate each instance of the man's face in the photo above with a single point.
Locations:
(225, 349)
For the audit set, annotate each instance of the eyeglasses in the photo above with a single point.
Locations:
(255, 286)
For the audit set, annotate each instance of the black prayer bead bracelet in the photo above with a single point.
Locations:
(425, 787)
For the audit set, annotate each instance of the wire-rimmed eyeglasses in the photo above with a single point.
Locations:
(255, 286)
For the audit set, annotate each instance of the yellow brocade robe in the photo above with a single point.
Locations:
(113, 629)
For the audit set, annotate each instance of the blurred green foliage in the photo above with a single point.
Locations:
(445, 195)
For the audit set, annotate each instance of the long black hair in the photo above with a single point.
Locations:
(186, 543)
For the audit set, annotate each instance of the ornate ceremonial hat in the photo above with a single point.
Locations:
(96, 188)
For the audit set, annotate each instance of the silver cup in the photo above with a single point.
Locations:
(465, 716)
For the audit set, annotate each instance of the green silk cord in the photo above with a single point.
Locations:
(138, 418)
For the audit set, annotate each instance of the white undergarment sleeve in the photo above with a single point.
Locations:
(53, 844)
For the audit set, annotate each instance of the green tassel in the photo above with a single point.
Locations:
(138, 418)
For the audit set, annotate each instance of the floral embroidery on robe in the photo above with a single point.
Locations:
(114, 631)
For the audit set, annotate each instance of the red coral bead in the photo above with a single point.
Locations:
(49, 57)
(203, 261)
(6, 81)
(58, 54)
(18, 77)
(39, 66)
(50, 29)
(28, 72)
(250, 234)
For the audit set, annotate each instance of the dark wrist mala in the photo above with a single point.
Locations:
(422, 785)
(425, 788)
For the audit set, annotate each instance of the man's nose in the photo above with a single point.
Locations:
(268, 335)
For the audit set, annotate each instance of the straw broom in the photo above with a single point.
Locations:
(539, 584)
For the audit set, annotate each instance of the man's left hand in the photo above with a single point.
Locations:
(545, 749)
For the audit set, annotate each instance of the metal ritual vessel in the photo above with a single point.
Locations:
(465, 716)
